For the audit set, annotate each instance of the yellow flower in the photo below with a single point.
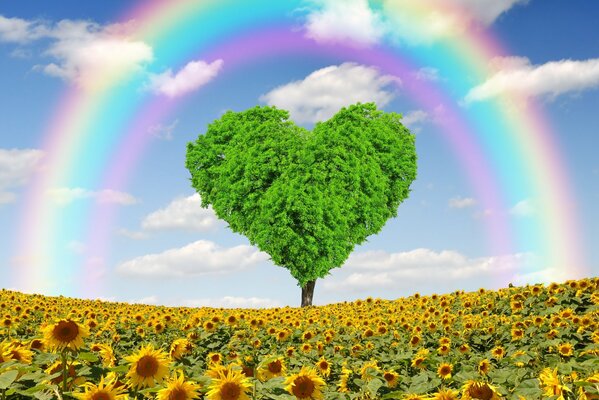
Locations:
(484, 367)
(369, 369)
(305, 385)
(64, 334)
(444, 371)
(551, 383)
(177, 388)
(473, 390)
(179, 348)
(565, 349)
(445, 394)
(102, 391)
(271, 368)
(343, 379)
(391, 377)
(148, 367)
(323, 366)
(230, 384)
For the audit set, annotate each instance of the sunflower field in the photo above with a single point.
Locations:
(532, 342)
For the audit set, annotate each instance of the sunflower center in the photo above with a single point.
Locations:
(177, 394)
(275, 366)
(445, 370)
(100, 395)
(230, 391)
(146, 366)
(389, 377)
(16, 355)
(304, 387)
(480, 391)
(324, 365)
(65, 331)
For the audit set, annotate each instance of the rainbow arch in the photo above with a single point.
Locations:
(98, 136)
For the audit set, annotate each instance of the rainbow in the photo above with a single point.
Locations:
(97, 136)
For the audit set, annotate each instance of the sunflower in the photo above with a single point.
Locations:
(391, 377)
(444, 371)
(368, 370)
(56, 368)
(179, 348)
(445, 394)
(102, 391)
(323, 366)
(412, 396)
(177, 388)
(474, 390)
(484, 367)
(230, 384)
(551, 383)
(344, 379)
(305, 385)
(271, 368)
(565, 350)
(498, 352)
(18, 352)
(66, 333)
(148, 367)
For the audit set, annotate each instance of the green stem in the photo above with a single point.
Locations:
(63, 355)
(3, 394)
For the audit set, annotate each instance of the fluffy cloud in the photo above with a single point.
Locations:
(64, 196)
(84, 52)
(424, 21)
(461, 202)
(163, 132)
(196, 259)
(372, 270)
(524, 208)
(17, 30)
(341, 21)
(322, 93)
(16, 168)
(414, 117)
(518, 75)
(182, 213)
(192, 76)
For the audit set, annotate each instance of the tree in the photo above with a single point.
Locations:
(306, 198)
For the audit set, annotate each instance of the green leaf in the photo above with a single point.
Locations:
(85, 356)
(7, 378)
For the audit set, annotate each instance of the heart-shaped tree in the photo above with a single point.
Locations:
(304, 197)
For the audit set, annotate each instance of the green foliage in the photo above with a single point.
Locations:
(304, 197)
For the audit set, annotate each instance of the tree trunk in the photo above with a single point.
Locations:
(308, 293)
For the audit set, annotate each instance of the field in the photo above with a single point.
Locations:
(533, 342)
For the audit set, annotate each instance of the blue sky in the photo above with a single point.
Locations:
(436, 244)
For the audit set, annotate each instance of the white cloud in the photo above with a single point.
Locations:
(524, 208)
(414, 117)
(427, 74)
(518, 75)
(136, 235)
(148, 300)
(84, 52)
(322, 93)
(196, 259)
(341, 21)
(372, 270)
(64, 196)
(88, 53)
(425, 21)
(232, 302)
(76, 247)
(16, 168)
(17, 30)
(182, 213)
(461, 202)
(192, 76)
(164, 132)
